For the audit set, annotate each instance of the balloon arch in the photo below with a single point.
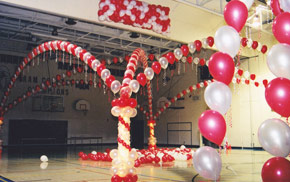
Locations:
(124, 159)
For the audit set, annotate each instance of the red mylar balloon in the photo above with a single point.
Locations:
(222, 67)
(236, 14)
(185, 50)
(156, 67)
(210, 41)
(275, 6)
(198, 45)
(276, 169)
(141, 78)
(281, 28)
(277, 95)
(212, 126)
(170, 57)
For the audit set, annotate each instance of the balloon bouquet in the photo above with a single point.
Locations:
(274, 134)
(218, 96)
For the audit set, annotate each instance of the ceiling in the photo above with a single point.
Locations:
(22, 28)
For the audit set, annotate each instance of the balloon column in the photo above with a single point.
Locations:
(274, 134)
(218, 95)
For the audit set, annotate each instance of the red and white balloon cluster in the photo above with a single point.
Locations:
(218, 95)
(255, 45)
(277, 95)
(136, 13)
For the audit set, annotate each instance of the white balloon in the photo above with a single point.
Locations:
(104, 74)
(163, 62)
(114, 153)
(134, 85)
(285, 5)
(134, 113)
(218, 97)
(149, 73)
(278, 60)
(43, 158)
(178, 53)
(227, 40)
(115, 86)
(116, 111)
(191, 47)
(248, 3)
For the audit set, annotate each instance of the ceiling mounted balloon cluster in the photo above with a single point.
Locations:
(136, 13)
(277, 95)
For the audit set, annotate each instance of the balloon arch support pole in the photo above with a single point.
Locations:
(152, 139)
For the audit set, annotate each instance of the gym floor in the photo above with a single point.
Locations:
(24, 165)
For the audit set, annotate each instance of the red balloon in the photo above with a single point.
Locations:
(116, 178)
(212, 126)
(156, 67)
(240, 72)
(277, 95)
(189, 59)
(210, 41)
(115, 102)
(264, 49)
(151, 57)
(253, 76)
(281, 28)
(236, 14)
(276, 169)
(185, 50)
(265, 82)
(244, 42)
(275, 6)
(198, 45)
(109, 80)
(170, 57)
(141, 78)
(222, 67)
(115, 60)
(132, 103)
(255, 45)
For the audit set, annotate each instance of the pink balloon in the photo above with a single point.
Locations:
(222, 67)
(281, 28)
(277, 95)
(212, 126)
(236, 14)
(276, 169)
(275, 6)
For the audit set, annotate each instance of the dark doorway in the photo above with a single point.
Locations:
(137, 134)
(37, 132)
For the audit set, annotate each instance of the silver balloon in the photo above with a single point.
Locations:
(274, 136)
(278, 60)
(207, 163)
(178, 53)
(218, 97)
(285, 5)
(227, 40)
